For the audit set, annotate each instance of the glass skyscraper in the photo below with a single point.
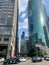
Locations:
(36, 23)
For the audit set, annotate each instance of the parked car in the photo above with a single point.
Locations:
(17, 60)
(6, 61)
(36, 59)
(2, 59)
(46, 58)
(13, 61)
(22, 59)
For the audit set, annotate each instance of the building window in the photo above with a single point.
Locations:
(5, 10)
(1, 28)
(6, 0)
(10, 6)
(7, 33)
(10, 9)
(10, 12)
(1, 33)
(6, 39)
(12, 0)
(0, 7)
(9, 16)
(5, 7)
(8, 28)
(9, 19)
(0, 1)
(2, 19)
(1, 23)
(5, 28)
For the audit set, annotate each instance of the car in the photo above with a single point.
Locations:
(36, 59)
(46, 58)
(6, 61)
(13, 61)
(17, 60)
(2, 59)
(22, 59)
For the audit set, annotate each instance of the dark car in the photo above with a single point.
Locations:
(6, 61)
(36, 59)
(13, 61)
(45, 57)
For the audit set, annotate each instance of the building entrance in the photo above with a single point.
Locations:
(3, 51)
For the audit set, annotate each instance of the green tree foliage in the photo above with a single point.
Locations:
(41, 53)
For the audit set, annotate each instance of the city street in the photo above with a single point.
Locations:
(28, 62)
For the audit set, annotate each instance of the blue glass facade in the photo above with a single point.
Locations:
(36, 22)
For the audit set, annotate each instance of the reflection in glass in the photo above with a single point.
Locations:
(37, 23)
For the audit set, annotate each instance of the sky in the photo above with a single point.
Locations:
(23, 20)
(47, 6)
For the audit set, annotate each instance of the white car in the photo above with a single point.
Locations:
(22, 59)
(2, 59)
(47, 58)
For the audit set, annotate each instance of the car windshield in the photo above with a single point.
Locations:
(35, 58)
(47, 57)
(11, 59)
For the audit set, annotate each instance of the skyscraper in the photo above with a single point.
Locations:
(47, 22)
(24, 45)
(36, 22)
(8, 26)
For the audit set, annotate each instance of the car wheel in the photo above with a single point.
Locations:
(17, 62)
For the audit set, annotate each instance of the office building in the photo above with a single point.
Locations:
(22, 42)
(24, 45)
(8, 26)
(37, 23)
(23, 35)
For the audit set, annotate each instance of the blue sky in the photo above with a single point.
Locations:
(47, 6)
(23, 20)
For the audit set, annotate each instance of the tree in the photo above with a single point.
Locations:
(41, 53)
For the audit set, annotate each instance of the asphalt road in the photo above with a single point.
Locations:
(29, 62)
(1, 63)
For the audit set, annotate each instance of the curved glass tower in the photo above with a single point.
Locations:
(37, 23)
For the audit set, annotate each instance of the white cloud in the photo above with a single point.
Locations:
(23, 25)
(21, 9)
(22, 5)
(43, 2)
(23, 15)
